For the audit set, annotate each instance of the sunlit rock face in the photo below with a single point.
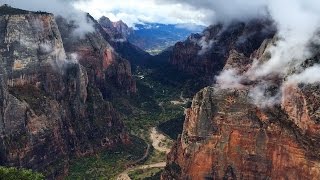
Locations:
(227, 135)
(53, 105)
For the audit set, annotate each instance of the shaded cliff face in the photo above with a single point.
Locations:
(106, 68)
(117, 34)
(51, 109)
(117, 30)
(226, 136)
(206, 54)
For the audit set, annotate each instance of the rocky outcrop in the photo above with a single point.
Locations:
(227, 136)
(117, 30)
(206, 54)
(117, 34)
(52, 108)
(123, 28)
(105, 67)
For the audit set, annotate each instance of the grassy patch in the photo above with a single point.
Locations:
(156, 156)
(12, 173)
(108, 164)
(151, 105)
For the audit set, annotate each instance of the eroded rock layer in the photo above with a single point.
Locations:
(227, 135)
(54, 103)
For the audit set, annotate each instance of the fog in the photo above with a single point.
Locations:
(57, 7)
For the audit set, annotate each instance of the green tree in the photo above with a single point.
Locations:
(12, 173)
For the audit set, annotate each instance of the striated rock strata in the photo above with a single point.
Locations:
(206, 54)
(53, 108)
(226, 136)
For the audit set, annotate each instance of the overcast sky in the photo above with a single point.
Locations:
(130, 11)
(134, 11)
(202, 12)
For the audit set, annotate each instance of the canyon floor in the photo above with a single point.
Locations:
(161, 143)
(154, 118)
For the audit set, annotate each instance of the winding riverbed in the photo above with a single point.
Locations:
(159, 142)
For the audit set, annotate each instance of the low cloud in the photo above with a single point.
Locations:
(57, 7)
(229, 79)
(310, 75)
(45, 48)
(205, 45)
(264, 96)
(298, 23)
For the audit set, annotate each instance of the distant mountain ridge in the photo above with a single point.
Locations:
(117, 33)
(155, 37)
(150, 37)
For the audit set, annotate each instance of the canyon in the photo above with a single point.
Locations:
(54, 105)
(66, 98)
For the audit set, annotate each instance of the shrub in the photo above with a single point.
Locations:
(12, 173)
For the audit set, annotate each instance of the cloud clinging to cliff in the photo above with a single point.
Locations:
(298, 24)
(57, 7)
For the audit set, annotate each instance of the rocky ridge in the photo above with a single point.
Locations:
(206, 54)
(118, 33)
(55, 93)
(227, 136)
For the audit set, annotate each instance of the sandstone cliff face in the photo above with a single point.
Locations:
(117, 34)
(117, 30)
(105, 67)
(206, 54)
(51, 109)
(226, 137)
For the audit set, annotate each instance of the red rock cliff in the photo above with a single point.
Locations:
(226, 136)
(52, 108)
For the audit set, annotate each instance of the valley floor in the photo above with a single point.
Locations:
(161, 143)
(148, 116)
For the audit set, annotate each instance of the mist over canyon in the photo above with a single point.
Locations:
(159, 89)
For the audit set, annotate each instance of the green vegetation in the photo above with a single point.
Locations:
(146, 174)
(151, 105)
(156, 156)
(12, 173)
(107, 164)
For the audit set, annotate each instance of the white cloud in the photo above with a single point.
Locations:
(298, 23)
(137, 11)
(229, 79)
(57, 7)
(224, 10)
(310, 75)
(205, 45)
